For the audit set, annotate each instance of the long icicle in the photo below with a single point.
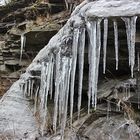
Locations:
(98, 49)
(105, 43)
(57, 83)
(93, 60)
(45, 72)
(51, 79)
(116, 42)
(81, 67)
(66, 82)
(128, 28)
(48, 76)
(88, 26)
(44, 99)
(62, 95)
(73, 71)
(92, 63)
(62, 89)
(133, 37)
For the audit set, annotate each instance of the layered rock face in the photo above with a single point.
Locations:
(37, 21)
(18, 18)
(86, 78)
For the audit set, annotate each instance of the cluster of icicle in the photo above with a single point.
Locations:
(60, 70)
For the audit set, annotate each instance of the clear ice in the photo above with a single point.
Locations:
(23, 41)
(105, 43)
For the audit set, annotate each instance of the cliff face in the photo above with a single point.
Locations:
(38, 21)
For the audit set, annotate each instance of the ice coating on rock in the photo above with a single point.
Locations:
(13, 111)
(57, 61)
(111, 8)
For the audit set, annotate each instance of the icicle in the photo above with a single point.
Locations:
(57, 82)
(81, 67)
(35, 100)
(92, 64)
(66, 81)
(128, 28)
(29, 87)
(45, 85)
(32, 86)
(51, 80)
(116, 42)
(23, 41)
(62, 89)
(98, 49)
(61, 94)
(42, 82)
(94, 59)
(46, 92)
(25, 88)
(138, 57)
(131, 34)
(88, 25)
(74, 61)
(105, 43)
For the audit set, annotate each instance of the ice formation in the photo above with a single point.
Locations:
(81, 68)
(116, 42)
(58, 61)
(63, 69)
(105, 43)
(23, 41)
(131, 34)
(73, 70)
